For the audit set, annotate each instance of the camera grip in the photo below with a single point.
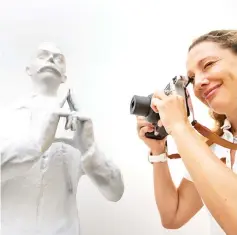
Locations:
(160, 136)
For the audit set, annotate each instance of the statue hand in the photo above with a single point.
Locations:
(83, 127)
(45, 117)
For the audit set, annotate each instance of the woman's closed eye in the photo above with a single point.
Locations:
(208, 64)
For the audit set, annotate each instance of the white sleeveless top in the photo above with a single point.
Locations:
(220, 152)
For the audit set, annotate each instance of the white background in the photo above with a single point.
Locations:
(114, 49)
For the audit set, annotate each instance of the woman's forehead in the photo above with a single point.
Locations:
(201, 52)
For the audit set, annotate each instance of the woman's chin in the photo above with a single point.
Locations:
(218, 106)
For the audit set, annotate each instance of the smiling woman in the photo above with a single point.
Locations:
(212, 69)
(218, 50)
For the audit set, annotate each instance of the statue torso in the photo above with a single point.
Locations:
(43, 199)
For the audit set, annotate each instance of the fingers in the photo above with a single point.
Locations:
(72, 101)
(159, 123)
(159, 95)
(62, 98)
(143, 126)
(62, 113)
(74, 124)
(155, 104)
(71, 123)
(144, 130)
(68, 123)
(83, 118)
(73, 119)
(142, 122)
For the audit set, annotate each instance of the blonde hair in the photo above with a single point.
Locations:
(226, 39)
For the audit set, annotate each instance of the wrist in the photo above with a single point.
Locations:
(157, 151)
(180, 129)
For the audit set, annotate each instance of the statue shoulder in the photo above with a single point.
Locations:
(12, 109)
(21, 102)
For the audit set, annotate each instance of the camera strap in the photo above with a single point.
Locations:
(205, 132)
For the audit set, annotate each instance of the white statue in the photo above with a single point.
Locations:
(40, 173)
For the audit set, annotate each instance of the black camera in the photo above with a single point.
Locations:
(140, 106)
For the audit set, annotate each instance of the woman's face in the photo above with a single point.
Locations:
(214, 74)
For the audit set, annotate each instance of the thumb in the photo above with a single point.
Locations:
(62, 113)
(83, 118)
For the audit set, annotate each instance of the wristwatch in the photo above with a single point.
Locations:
(157, 158)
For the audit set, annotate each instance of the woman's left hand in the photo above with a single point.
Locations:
(171, 109)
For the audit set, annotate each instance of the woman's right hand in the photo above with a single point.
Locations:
(156, 146)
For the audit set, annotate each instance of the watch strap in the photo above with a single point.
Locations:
(157, 158)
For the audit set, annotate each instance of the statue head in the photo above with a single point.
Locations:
(47, 66)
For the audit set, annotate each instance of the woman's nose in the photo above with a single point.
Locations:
(201, 82)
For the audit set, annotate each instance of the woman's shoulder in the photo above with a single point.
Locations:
(219, 150)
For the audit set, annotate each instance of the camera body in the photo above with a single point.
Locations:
(140, 106)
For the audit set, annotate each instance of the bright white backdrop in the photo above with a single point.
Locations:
(114, 49)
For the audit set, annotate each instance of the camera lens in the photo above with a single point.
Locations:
(140, 105)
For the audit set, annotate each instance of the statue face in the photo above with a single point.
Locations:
(48, 64)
